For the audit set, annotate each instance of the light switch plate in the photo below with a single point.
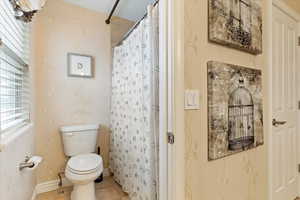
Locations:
(192, 100)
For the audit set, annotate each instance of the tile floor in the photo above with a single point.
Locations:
(107, 190)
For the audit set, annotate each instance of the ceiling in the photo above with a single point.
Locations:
(129, 9)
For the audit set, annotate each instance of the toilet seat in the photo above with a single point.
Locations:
(85, 164)
(83, 172)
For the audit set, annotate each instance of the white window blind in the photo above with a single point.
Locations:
(14, 82)
(13, 33)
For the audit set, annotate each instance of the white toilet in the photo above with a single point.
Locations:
(84, 166)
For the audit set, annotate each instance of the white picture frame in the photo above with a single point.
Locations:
(80, 65)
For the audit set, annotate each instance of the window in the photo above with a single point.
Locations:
(14, 82)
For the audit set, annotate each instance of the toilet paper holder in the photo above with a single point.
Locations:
(30, 162)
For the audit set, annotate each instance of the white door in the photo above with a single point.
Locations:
(284, 107)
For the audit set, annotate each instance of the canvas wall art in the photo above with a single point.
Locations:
(237, 24)
(235, 109)
(80, 65)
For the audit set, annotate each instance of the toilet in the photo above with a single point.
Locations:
(84, 166)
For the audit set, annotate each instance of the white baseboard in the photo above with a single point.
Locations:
(33, 194)
(53, 185)
(106, 172)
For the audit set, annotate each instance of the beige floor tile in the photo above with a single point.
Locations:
(107, 190)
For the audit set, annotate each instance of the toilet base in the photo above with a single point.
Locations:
(84, 192)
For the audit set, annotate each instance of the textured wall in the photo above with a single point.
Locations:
(15, 184)
(238, 177)
(62, 100)
(119, 28)
(295, 4)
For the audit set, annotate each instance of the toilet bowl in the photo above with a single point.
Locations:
(84, 166)
(82, 170)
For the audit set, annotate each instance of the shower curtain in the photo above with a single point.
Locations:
(134, 110)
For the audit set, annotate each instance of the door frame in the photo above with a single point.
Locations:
(289, 11)
(163, 102)
(177, 173)
(172, 161)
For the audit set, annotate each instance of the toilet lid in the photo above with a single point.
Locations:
(85, 162)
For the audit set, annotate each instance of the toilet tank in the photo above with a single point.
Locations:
(79, 139)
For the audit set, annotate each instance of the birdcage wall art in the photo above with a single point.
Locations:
(235, 111)
(240, 117)
(237, 24)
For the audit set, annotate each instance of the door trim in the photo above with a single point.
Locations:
(172, 160)
(176, 74)
(178, 82)
(176, 92)
(163, 102)
(293, 14)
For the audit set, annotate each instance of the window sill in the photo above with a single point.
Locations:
(9, 138)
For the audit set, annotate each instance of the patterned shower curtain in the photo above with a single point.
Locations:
(134, 111)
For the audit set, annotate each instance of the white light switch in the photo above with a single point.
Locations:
(192, 98)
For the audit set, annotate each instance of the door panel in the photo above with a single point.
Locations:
(278, 180)
(284, 104)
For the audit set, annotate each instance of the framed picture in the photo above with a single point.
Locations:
(80, 65)
(236, 24)
(235, 109)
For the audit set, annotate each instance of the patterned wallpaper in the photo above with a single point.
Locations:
(238, 177)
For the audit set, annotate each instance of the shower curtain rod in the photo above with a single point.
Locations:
(134, 26)
(107, 21)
